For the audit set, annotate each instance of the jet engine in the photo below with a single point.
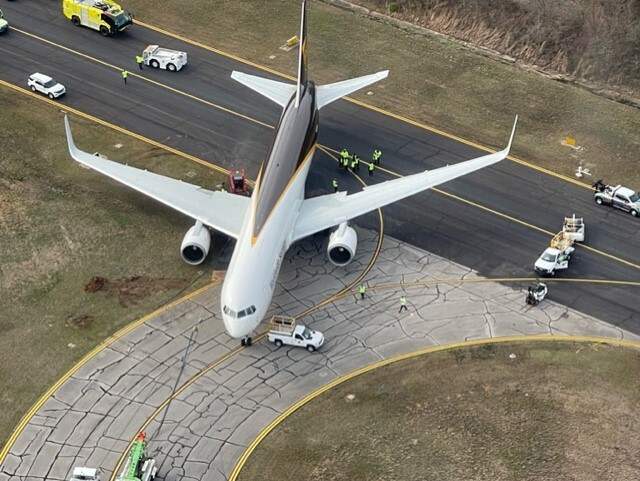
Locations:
(195, 245)
(342, 245)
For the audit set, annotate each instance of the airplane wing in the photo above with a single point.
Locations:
(219, 210)
(326, 211)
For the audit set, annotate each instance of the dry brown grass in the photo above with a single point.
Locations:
(555, 411)
(60, 225)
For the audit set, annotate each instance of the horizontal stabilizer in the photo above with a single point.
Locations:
(330, 92)
(279, 92)
(219, 210)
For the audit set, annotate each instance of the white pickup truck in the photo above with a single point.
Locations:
(285, 330)
(160, 57)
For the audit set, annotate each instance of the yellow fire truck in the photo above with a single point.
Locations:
(106, 16)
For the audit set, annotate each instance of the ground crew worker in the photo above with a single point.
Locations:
(344, 155)
(376, 156)
(371, 168)
(403, 304)
(362, 289)
(334, 183)
(139, 60)
(124, 76)
(345, 162)
(355, 163)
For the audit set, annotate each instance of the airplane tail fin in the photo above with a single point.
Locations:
(281, 92)
(302, 58)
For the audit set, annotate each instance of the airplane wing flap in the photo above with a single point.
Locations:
(219, 210)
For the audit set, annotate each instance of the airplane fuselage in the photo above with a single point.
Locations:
(266, 233)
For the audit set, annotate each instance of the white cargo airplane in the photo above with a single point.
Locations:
(277, 214)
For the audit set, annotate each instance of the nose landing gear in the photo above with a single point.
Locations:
(245, 341)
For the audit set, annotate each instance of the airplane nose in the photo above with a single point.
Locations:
(236, 328)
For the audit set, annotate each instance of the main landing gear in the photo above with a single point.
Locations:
(245, 341)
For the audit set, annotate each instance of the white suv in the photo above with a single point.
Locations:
(45, 84)
(4, 25)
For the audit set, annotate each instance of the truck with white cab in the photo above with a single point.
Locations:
(164, 58)
(285, 330)
(617, 196)
(556, 257)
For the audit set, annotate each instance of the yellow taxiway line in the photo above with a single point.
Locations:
(110, 340)
(375, 365)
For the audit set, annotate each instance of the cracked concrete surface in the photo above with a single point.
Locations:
(90, 419)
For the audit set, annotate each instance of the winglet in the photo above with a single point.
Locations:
(513, 132)
(72, 146)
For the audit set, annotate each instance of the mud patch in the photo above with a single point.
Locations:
(130, 290)
(79, 322)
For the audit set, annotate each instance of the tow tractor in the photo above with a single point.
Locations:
(139, 466)
(536, 293)
(237, 182)
(557, 255)
(285, 330)
(164, 58)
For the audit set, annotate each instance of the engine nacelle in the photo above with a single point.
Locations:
(195, 245)
(342, 245)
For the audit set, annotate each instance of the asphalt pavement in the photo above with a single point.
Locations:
(203, 112)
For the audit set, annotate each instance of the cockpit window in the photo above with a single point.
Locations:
(237, 315)
(229, 312)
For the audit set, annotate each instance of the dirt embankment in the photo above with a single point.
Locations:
(594, 41)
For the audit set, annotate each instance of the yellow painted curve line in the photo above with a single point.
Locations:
(428, 350)
(111, 339)
(166, 402)
(479, 280)
(344, 291)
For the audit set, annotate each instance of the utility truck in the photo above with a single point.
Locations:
(557, 255)
(164, 58)
(138, 467)
(617, 196)
(285, 330)
(106, 16)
